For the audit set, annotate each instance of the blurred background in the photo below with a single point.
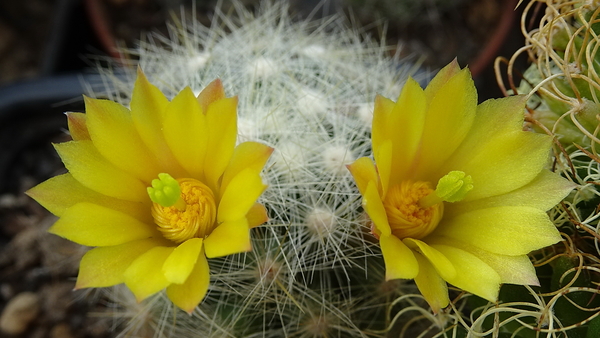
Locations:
(50, 48)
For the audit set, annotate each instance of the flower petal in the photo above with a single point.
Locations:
(442, 265)
(431, 285)
(405, 127)
(182, 260)
(101, 267)
(93, 225)
(144, 277)
(186, 133)
(495, 117)
(374, 208)
(114, 135)
(515, 159)
(92, 170)
(512, 269)
(400, 261)
(61, 192)
(257, 215)
(246, 155)
(189, 294)
(148, 106)
(383, 158)
(543, 193)
(221, 121)
(440, 79)
(473, 275)
(512, 230)
(228, 238)
(211, 93)
(363, 170)
(240, 195)
(449, 118)
(77, 126)
(381, 125)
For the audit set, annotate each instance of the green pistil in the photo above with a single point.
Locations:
(453, 187)
(166, 191)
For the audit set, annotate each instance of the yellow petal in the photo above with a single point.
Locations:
(512, 230)
(543, 193)
(144, 276)
(114, 135)
(182, 260)
(101, 267)
(221, 121)
(442, 265)
(94, 225)
(405, 127)
(440, 79)
(61, 192)
(77, 126)
(431, 285)
(374, 208)
(186, 132)
(383, 159)
(363, 170)
(257, 215)
(473, 275)
(511, 269)
(92, 170)
(188, 295)
(506, 162)
(449, 117)
(246, 155)
(497, 136)
(148, 106)
(495, 117)
(240, 195)
(211, 93)
(381, 125)
(228, 238)
(400, 261)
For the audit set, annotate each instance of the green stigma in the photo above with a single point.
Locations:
(165, 190)
(453, 187)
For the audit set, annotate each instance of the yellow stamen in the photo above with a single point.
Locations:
(406, 217)
(197, 217)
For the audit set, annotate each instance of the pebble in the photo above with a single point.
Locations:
(19, 313)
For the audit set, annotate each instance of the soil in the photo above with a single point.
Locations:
(51, 37)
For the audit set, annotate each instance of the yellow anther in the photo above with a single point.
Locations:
(197, 218)
(405, 216)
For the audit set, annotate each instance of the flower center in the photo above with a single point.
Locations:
(414, 209)
(192, 214)
(406, 217)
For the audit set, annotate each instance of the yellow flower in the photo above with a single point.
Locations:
(181, 153)
(459, 194)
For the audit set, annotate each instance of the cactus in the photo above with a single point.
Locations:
(562, 89)
(305, 88)
(563, 77)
